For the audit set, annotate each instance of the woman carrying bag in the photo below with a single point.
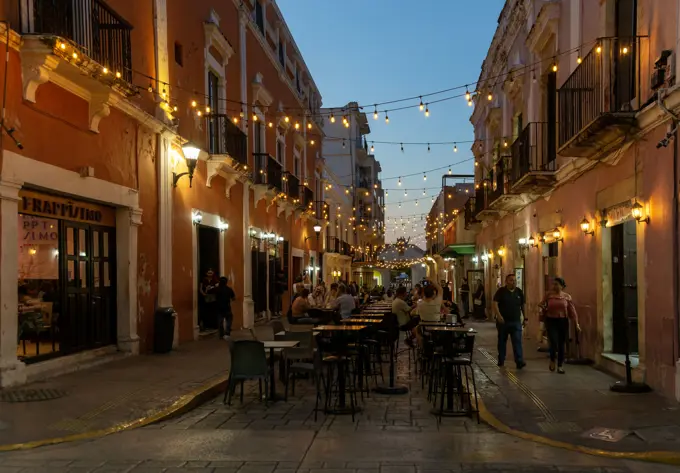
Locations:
(479, 301)
(556, 310)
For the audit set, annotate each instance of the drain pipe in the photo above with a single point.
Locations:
(676, 232)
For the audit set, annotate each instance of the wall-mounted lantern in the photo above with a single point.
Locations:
(191, 152)
(531, 241)
(501, 251)
(638, 212)
(586, 227)
(557, 234)
(475, 259)
(224, 226)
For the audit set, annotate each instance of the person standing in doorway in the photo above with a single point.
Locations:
(479, 301)
(206, 312)
(225, 295)
(508, 307)
(281, 286)
(465, 297)
(556, 310)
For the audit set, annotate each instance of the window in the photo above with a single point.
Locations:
(282, 53)
(179, 50)
(259, 15)
(281, 147)
(297, 164)
(213, 92)
(297, 79)
(258, 141)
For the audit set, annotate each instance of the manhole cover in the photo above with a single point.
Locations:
(31, 395)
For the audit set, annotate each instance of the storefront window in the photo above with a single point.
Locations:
(38, 286)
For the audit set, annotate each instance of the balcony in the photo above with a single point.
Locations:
(501, 197)
(267, 172)
(332, 244)
(306, 197)
(534, 159)
(225, 138)
(470, 214)
(598, 102)
(291, 187)
(91, 27)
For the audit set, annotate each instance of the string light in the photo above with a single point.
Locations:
(490, 97)
(309, 125)
(470, 103)
(455, 148)
(405, 192)
(193, 103)
(270, 124)
(554, 66)
(424, 192)
(449, 171)
(421, 104)
(579, 60)
(372, 148)
(332, 118)
(399, 183)
(387, 119)
(598, 50)
(427, 111)
(402, 147)
(375, 113)
(286, 119)
(424, 177)
(467, 94)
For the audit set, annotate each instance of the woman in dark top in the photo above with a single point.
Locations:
(224, 295)
(480, 301)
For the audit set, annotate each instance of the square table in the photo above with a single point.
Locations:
(339, 328)
(359, 321)
(273, 345)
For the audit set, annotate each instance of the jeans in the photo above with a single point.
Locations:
(222, 318)
(514, 329)
(558, 330)
(466, 304)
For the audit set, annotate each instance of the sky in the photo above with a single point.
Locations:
(372, 51)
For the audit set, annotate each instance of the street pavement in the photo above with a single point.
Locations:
(392, 434)
(571, 407)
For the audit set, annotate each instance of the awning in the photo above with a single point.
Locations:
(454, 251)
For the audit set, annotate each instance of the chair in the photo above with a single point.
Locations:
(277, 327)
(248, 362)
(453, 367)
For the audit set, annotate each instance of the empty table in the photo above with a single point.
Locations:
(273, 345)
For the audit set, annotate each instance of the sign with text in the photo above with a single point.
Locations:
(619, 214)
(44, 205)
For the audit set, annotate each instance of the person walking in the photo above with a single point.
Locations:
(224, 295)
(556, 310)
(508, 307)
(479, 301)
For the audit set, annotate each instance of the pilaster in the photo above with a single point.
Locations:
(127, 222)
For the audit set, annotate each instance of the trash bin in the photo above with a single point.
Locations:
(164, 329)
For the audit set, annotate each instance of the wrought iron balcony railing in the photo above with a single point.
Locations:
(226, 138)
(306, 197)
(91, 25)
(291, 188)
(267, 171)
(603, 91)
(534, 157)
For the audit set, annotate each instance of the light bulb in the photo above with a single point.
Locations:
(423, 191)
(343, 143)
(372, 149)
(193, 103)
(427, 111)
(254, 117)
(375, 114)
(332, 118)
(311, 142)
(490, 97)
(207, 109)
(428, 147)
(467, 95)
(554, 68)
(424, 177)
(579, 60)
(469, 103)
(105, 70)
(402, 147)
(387, 119)
(598, 50)
(399, 183)
(309, 126)
(449, 170)
(455, 148)
(624, 50)
(286, 119)
(421, 104)
(476, 164)
(270, 125)
(75, 55)
(199, 113)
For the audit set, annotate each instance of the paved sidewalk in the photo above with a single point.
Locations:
(113, 395)
(566, 408)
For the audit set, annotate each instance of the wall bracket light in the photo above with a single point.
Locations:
(638, 212)
(191, 152)
(586, 227)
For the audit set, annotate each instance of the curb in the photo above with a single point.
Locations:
(666, 457)
(181, 406)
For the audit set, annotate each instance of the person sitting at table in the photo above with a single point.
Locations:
(332, 295)
(300, 308)
(402, 310)
(430, 306)
(344, 303)
(388, 296)
(316, 299)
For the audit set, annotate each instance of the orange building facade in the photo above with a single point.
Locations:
(142, 146)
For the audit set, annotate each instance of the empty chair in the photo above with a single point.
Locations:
(248, 362)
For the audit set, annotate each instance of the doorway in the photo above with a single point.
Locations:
(624, 288)
(208, 259)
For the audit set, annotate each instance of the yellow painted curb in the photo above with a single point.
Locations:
(667, 457)
(184, 404)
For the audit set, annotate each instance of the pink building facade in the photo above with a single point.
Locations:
(574, 121)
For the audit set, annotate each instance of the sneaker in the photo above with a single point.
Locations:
(551, 367)
(521, 365)
(560, 370)
(226, 337)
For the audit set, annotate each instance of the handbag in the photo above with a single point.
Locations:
(478, 302)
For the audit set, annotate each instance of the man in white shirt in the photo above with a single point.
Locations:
(399, 306)
(344, 303)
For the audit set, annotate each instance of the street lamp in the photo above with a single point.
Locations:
(191, 152)
(317, 230)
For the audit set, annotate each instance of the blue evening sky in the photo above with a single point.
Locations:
(379, 50)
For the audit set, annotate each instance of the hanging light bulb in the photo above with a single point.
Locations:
(343, 142)
(254, 117)
(490, 97)
(579, 59)
(449, 171)
(375, 113)
(424, 177)
(372, 148)
(424, 192)
(433, 199)
(286, 119)
(554, 66)
(598, 50)
(399, 183)
(533, 77)
(309, 125)
(270, 125)
(332, 118)
(193, 103)
(387, 119)
(405, 192)
(402, 147)
(427, 111)
(467, 94)
(387, 194)
(476, 164)
(421, 104)
(416, 201)
(344, 119)
(470, 103)
(428, 147)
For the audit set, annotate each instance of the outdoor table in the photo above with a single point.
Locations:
(274, 345)
(359, 321)
(451, 379)
(342, 404)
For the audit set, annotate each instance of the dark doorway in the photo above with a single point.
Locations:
(259, 279)
(297, 267)
(208, 239)
(624, 288)
(89, 298)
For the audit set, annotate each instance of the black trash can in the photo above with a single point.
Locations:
(164, 329)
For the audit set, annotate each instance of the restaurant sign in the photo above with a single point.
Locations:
(44, 205)
(618, 214)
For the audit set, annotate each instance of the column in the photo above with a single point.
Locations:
(11, 369)
(164, 221)
(248, 305)
(127, 222)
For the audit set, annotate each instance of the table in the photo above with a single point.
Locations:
(339, 328)
(273, 345)
(449, 328)
(359, 321)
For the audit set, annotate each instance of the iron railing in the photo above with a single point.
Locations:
(267, 171)
(470, 213)
(534, 150)
(606, 81)
(307, 196)
(346, 248)
(97, 31)
(293, 187)
(226, 138)
(333, 244)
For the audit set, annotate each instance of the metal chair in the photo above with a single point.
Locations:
(248, 362)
